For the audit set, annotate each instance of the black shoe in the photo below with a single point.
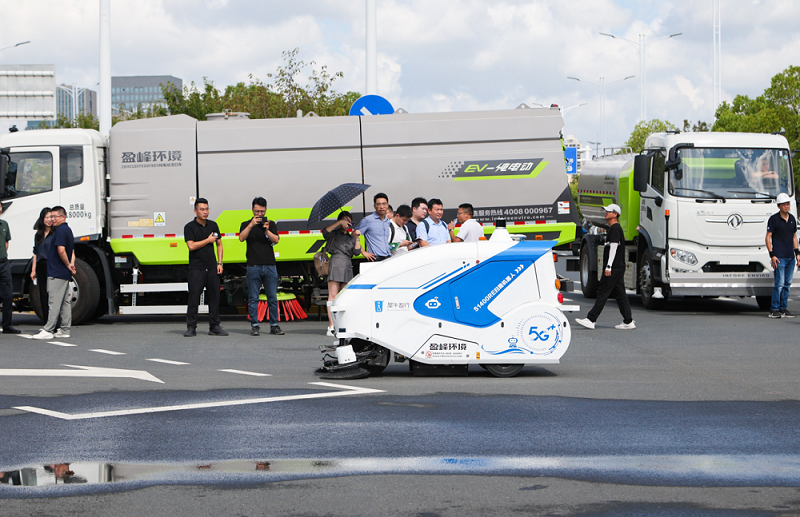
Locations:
(190, 332)
(276, 331)
(254, 331)
(784, 314)
(774, 314)
(217, 331)
(11, 330)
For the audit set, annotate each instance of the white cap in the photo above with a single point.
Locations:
(783, 198)
(613, 208)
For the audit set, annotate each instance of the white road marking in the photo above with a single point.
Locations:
(82, 371)
(167, 361)
(109, 352)
(348, 390)
(26, 336)
(242, 372)
(59, 343)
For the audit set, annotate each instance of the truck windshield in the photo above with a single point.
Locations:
(732, 173)
(28, 173)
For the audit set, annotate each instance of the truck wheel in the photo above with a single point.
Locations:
(764, 302)
(588, 278)
(85, 290)
(504, 370)
(647, 284)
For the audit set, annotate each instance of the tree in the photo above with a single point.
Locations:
(644, 129)
(278, 99)
(84, 121)
(699, 127)
(777, 109)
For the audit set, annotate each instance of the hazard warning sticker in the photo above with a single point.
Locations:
(159, 218)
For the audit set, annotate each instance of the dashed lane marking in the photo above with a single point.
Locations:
(167, 361)
(59, 343)
(242, 372)
(343, 391)
(109, 352)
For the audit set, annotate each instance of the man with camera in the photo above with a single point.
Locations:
(261, 235)
(205, 267)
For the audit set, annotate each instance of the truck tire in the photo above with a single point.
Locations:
(764, 302)
(504, 370)
(85, 290)
(647, 284)
(588, 277)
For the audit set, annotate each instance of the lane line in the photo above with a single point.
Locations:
(80, 371)
(167, 361)
(347, 390)
(242, 372)
(109, 352)
(26, 336)
(59, 343)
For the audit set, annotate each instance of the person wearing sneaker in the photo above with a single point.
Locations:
(612, 282)
(261, 235)
(6, 289)
(200, 234)
(60, 268)
(783, 254)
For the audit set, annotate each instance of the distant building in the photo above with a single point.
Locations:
(86, 101)
(129, 92)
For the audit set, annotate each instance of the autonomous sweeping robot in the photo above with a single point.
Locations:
(493, 303)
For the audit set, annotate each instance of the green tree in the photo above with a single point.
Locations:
(278, 99)
(699, 127)
(777, 109)
(84, 121)
(644, 129)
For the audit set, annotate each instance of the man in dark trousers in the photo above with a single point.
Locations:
(6, 289)
(612, 282)
(261, 235)
(783, 254)
(60, 268)
(205, 267)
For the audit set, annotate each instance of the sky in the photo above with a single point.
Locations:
(458, 55)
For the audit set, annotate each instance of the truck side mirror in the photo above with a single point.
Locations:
(641, 168)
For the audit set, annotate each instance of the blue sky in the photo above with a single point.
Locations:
(434, 56)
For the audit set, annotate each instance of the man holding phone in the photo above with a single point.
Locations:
(205, 267)
(261, 235)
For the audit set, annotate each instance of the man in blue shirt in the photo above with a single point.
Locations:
(60, 268)
(432, 230)
(376, 230)
(783, 254)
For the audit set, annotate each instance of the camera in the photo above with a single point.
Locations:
(259, 220)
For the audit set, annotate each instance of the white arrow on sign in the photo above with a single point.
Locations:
(345, 390)
(82, 371)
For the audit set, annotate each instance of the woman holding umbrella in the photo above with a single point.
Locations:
(343, 244)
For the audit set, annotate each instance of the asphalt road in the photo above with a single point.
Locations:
(693, 413)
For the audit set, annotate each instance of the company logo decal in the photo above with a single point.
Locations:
(151, 159)
(433, 303)
(378, 306)
(735, 221)
(494, 169)
(540, 334)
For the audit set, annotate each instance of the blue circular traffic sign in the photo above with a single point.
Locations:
(371, 105)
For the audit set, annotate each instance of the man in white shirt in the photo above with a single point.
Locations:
(471, 230)
(400, 238)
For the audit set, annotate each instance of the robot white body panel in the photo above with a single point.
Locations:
(487, 303)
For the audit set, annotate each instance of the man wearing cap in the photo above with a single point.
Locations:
(783, 254)
(612, 282)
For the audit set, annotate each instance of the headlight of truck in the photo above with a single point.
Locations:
(683, 256)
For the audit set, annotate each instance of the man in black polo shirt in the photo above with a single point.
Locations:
(261, 235)
(200, 235)
(613, 280)
(6, 290)
(783, 254)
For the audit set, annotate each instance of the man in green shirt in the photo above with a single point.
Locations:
(6, 290)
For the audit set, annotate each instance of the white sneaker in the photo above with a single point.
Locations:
(626, 326)
(43, 334)
(586, 322)
(330, 332)
(61, 334)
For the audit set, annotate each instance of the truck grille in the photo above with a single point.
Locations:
(716, 267)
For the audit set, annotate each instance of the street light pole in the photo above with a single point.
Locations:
(602, 88)
(642, 47)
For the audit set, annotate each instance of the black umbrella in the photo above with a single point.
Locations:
(334, 200)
